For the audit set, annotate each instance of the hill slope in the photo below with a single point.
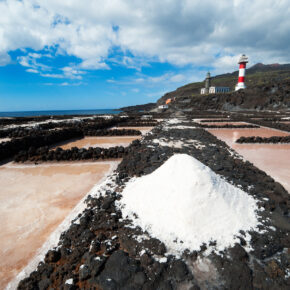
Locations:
(268, 87)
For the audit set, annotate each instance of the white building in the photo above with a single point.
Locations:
(212, 90)
(146, 117)
(215, 90)
(163, 107)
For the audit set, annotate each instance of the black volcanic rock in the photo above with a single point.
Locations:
(257, 139)
(116, 255)
(52, 256)
(29, 144)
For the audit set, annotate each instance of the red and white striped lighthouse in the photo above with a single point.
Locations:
(242, 72)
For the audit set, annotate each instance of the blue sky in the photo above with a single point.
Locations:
(22, 89)
(92, 54)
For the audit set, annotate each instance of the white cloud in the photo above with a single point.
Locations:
(64, 84)
(54, 76)
(32, 62)
(163, 79)
(225, 63)
(181, 32)
(72, 73)
(178, 78)
(4, 58)
(169, 77)
(31, 70)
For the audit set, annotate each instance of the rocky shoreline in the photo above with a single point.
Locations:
(101, 249)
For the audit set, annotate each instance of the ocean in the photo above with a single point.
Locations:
(58, 113)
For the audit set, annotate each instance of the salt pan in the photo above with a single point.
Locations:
(184, 204)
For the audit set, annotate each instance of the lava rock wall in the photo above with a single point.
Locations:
(257, 139)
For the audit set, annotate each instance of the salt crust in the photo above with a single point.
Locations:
(69, 281)
(173, 121)
(179, 127)
(177, 143)
(173, 144)
(35, 124)
(184, 204)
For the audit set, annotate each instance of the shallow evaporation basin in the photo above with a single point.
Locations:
(103, 142)
(271, 158)
(34, 200)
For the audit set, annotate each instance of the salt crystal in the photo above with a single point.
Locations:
(69, 281)
(184, 200)
(163, 260)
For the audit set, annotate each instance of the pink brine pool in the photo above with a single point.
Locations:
(103, 142)
(271, 158)
(34, 200)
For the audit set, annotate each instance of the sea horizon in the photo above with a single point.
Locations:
(38, 113)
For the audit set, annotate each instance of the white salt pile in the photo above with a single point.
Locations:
(184, 204)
